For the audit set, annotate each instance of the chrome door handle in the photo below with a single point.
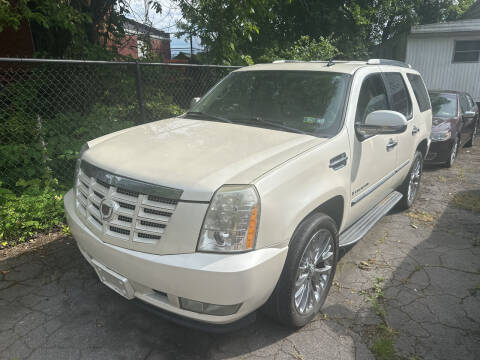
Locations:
(391, 144)
(415, 130)
(338, 161)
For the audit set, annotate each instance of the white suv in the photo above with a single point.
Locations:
(245, 200)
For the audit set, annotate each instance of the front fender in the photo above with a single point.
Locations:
(292, 191)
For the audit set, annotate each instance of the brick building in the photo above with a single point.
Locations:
(23, 42)
(136, 44)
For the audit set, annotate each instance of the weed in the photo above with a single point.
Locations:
(383, 343)
(460, 174)
(382, 240)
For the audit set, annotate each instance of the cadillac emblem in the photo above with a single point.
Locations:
(106, 209)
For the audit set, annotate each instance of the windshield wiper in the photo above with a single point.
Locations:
(201, 114)
(277, 125)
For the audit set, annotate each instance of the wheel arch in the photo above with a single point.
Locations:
(423, 147)
(333, 207)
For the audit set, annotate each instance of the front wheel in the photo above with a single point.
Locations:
(308, 272)
(453, 154)
(411, 184)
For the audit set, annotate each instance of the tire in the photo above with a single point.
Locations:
(453, 154)
(470, 142)
(301, 271)
(412, 179)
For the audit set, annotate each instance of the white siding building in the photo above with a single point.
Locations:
(447, 55)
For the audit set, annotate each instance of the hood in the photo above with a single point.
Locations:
(442, 124)
(194, 155)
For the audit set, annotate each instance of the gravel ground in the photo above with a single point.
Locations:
(409, 290)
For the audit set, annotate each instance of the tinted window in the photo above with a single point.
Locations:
(464, 105)
(307, 101)
(466, 51)
(471, 104)
(444, 105)
(400, 100)
(420, 91)
(373, 97)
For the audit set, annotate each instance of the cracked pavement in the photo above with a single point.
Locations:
(416, 273)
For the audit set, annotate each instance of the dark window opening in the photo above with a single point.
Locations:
(400, 99)
(420, 92)
(466, 51)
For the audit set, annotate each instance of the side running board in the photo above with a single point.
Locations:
(367, 221)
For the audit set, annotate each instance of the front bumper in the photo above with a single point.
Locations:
(160, 280)
(439, 152)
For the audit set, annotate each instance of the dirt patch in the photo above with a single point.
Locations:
(468, 201)
(32, 245)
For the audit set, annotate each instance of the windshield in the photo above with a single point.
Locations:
(301, 101)
(443, 105)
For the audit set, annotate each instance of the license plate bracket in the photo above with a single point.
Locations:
(113, 280)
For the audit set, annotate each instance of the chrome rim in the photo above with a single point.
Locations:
(414, 180)
(453, 153)
(314, 271)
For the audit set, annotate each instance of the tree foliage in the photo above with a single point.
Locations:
(71, 28)
(233, 31)
(303, 49)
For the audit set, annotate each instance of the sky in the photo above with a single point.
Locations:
(165, 21)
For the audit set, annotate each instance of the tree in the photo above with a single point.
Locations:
(232, 30)
(71, 28)
(392, 17)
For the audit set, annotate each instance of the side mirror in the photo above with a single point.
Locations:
(382, 122)
(194, 101)
(469, 114)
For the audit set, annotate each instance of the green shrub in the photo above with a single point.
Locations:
(38, 208)
(305, 48)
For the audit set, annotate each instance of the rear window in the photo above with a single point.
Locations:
(400, 100)
(443, 104)
(420, 92)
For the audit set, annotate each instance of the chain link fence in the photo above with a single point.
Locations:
(49, 108)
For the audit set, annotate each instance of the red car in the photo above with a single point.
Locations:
(455, 122)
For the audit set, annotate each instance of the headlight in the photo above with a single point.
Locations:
(441, 136)
(231, 221)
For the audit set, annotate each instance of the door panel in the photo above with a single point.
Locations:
(401, 101)
(467, 123)
(372, 161)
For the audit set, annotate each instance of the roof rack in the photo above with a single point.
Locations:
(317, 61)
(388, 62)
(333, 62)
(287, 61)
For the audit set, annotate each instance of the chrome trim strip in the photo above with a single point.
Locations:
(378, 184)
(130, 184)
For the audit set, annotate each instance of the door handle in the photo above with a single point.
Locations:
(391, 144)
(338, 161)
(415, 130)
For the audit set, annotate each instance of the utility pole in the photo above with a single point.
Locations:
(191, 46)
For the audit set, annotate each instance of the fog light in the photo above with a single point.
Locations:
(210, 309)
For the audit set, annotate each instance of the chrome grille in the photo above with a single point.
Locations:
(138, 216)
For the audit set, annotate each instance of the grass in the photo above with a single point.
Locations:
(468, 201)
(383, 337)
(376, 296)
(383, 343)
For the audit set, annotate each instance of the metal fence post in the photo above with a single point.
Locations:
(138, 78)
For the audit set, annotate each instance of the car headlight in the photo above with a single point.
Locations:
(441, 136)
(231, 220)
